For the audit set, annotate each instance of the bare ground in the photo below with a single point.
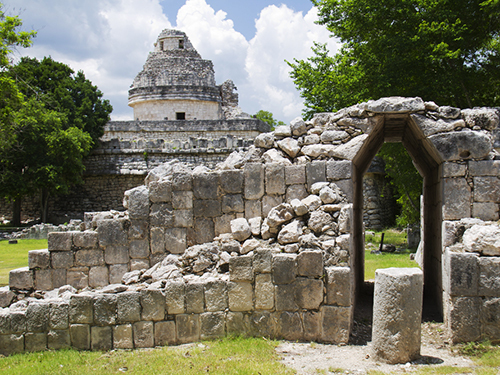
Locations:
(355, 358)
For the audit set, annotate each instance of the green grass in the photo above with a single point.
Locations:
(226, 356)
(400, 258)
(16, 255)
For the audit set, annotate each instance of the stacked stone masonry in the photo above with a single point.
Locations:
(205, 252)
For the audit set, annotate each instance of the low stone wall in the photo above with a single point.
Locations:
(286, 296)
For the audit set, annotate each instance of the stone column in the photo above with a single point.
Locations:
(397, 314)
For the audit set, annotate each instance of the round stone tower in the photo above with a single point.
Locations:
(175, 83)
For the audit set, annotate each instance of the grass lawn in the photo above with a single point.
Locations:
(226, 356)
(16, 255)
(400, 258)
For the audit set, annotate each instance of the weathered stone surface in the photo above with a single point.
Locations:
(101, 338)
(128, 306)
(298, 127)
(254, 181)
(249, 245)
(310, 263)
(283, 131)
(240, 268)
(35, 342)
(174, 297)
(264, 292)
(58, 315)
(397, 312)
(91, 258)
(182, 200)
(290, 326)
(58, 339)
(463, 273)
(315, 172)
(489, 282)
(253, 208)
(105, 309)
(143, 334)
(85, 240)
(333, 136)
(80, 336)
(336, 324)
(264, 140)
(212, 324)
(395, 104)
(275, 179)
(240, 296)
(457, 199)
(464, 322)
(61, 241)
(21, 278)
(205, 185)
(153, 304)
(78, 278)
(240, 229)
(255, 223)
(312, 325)
(195, 297)
(165, 333)
(290, 146)
(338, 286)
(37, 316)
(280, 214)
(350, 149)
(61, 259)
(299, 207)
(483, 239)
(485, 118)
(430, 126)
(6, 296)
(111, 232)
(160, 191)
(216, 295)
(11, 344)
(115, 254)
(274, 156)
(137, 202)
(161, 215)
(308, 293)
(290, 233)
(188, 328)
(487, 211)
(81, 309)
(175, 240)
(38, 259)
(262, 261)
(316, 150)
(487, 189)
(295, 174)
(284, 268)
(312, 202)
(123, 337)
(320, 221)
(462, 145)
(269, 202)
(338, 170)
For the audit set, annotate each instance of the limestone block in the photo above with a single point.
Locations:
(463, 320)
(11, 344)
(153, 304)
(187, 328)
(489, 282)
(486, 118)
(116, 272)
(21, 278)
(212, 325)
(58, 339)
(312, 202)
(453, 169)
(397, 313)
(231, 181)
(233, 203)
(98, 276)
(275, 179)
(143, 334)
(18, 322)
(255, 223)
(161, 215)
(59, 278)
(484, 168)
(240, 229)
(463, 273)
(487, 211)
(338, 286)
(240, 296)
(310, 263)
(38, 259)
(37, 316)
(183, 218)
(222, 224)
(204, 231)
(333, 136)
(254, 181)
(157, 241)
(81, 309)
(336, 324)
(85, 240)
(61, 241)
(195, 298)
(89, 258)
(78, 277)
(138, 229)
(253, 208)
(490, 317)
(182, 181)
(344, 220)
(284, 268)
(430, 126)
(139, 249)
(347, 188)
(128, 306)
(290, 146)
(487, 189)
(462, 145)
(395, 104)
(295, 174)
(59, 315)
(249, 245)
(43, 279)
(182, 200)
(264, 292)
(263, 324)
(216, 296)
(137, 202)
(35, 342)
(105, 309)
(205, 185)
(298, 126)
(285, 297)
(276, 156)
(111, 232)
(483, 239)
(174, 295)
(101, 338)
(80, 336)
(312, 321)
(164, 333)
(308, 293)
(269, 202)
(160, 191)
(290, 233)
(264, 140)
(6, 296)
(280, 214)
(236, 323)
(115, 254)
(290, 326)
(295, 192)
(240, 268)
(122, 337)
(262, 261)
(175, 240)
(62, 259)
(315, 172)
(315, 151)
(138, 264)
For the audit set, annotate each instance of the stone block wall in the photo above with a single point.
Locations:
(286, 296)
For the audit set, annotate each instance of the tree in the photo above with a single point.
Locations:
(446, 51)
(268, 118)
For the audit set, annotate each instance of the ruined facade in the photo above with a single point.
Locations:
(271, 243)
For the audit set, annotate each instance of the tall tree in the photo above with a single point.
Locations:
(447, 51)
(268, 118)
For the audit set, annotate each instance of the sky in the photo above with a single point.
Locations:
(247, 40)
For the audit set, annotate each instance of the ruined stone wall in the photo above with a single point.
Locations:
(159, 110)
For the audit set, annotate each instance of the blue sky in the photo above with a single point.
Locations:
(248, 42)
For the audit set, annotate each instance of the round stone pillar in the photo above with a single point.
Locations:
(397, 314)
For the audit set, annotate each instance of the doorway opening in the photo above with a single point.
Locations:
(392, 128)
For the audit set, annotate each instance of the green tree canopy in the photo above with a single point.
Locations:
(268, 117)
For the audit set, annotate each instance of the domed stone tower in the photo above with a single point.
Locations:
(175, 83)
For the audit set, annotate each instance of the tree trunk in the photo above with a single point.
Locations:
(16, 213)
(44, 205)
